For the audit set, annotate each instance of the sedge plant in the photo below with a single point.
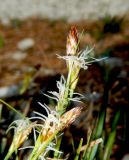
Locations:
(48, 131)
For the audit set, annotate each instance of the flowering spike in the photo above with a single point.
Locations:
(22, 129)
(72, 42)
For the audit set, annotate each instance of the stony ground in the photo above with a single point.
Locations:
(49, 39)
(30, 48)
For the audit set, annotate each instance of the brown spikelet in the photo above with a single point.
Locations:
(65, 120)
(68, 117)
(47, 132)
(72, 42)
(97, 141)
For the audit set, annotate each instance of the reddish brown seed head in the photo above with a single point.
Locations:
(72, 42)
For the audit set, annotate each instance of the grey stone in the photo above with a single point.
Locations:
(9, 91)
(18, 55)
(126, 157)
(25, 44)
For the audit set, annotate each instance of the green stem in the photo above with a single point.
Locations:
(11, 108)
(10, 152)
(111, 138)
(78, 150)
(38, 150)
(56, 154)
(8, 156)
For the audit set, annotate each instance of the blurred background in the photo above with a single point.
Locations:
(56, 9)
(33, 32)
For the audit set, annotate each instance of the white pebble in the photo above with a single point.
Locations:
(25, 44)
(126, 157)
(18, 55)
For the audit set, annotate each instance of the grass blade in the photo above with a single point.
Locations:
(78, 150)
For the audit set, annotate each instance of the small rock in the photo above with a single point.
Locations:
(9, 91)
(25, 44)
(126, 157)
(5, 21)
(18, 55)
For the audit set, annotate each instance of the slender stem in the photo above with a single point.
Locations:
(38, 150)
(11, 108)
(78, 150)
(8, 155)
(58, 147)
(10, 152)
